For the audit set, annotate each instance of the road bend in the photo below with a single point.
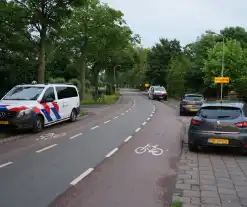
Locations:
(141, 172)
(35, 177)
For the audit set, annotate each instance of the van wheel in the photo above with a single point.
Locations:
(73, 115)
(38, 124)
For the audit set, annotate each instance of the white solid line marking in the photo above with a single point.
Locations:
(138, 129)
(144, 123)
(94, 127)
(148, 118)
(107, 121)
(111, 152)
(122, 113)
(46, 148)
(128, 138)
(115, 117)
(77, 135)
(83, 175)
(6, 164)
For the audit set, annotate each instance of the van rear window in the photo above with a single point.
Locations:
(219, 112)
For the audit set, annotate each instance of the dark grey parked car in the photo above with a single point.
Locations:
(190, 103)
(219, 124)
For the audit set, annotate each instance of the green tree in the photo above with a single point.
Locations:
(159, 58)
(45, 17)
(235, 62)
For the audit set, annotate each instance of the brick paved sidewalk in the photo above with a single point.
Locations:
(211, 180)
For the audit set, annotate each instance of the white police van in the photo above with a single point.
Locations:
(36, 106)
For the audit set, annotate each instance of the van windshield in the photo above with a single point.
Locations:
(25, 93)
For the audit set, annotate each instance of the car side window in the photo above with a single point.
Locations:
(245, 110)
(152, 89)
(49, 95)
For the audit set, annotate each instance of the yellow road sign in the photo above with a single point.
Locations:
(146, 84)
(221, 80)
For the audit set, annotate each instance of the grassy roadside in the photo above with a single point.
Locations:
(177, 204)
(105, 99)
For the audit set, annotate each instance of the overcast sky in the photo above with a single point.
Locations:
(181, 19)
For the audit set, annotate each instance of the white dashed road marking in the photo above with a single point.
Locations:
(148, 118)
(111, 152)
(138, 129)
(115, 117)
(128, 138)
(83, 175)
(6, 164)
(46, 148)
(77, 135)
(144, 123)
(151, 114)
(94, 127)
(122, 113)
(107, 121)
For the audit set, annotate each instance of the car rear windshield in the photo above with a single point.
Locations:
(219, 112)
(24, 93)
(159, 89)
(193, 98)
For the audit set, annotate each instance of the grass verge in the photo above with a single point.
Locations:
(177, 204)
(105, 99)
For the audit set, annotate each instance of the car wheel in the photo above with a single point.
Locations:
(38, 124)
(244, 152)
(193, 147)
(181, 113)
(165, 99)
(73, 115)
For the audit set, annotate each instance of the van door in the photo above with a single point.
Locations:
(50, 108)
(64, 100)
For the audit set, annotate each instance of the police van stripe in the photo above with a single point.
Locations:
(47, 116)
(3, 108)
(55, 113)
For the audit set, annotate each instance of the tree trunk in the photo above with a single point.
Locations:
(41, 59)
(82, 76)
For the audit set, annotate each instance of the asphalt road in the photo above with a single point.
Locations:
(128, 176)
(37, 169)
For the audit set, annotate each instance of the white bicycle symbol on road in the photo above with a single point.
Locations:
(154, 150)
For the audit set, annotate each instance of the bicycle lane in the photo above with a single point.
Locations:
(130, 179)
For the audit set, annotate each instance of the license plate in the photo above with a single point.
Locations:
(218, 141)
(193, 109)
(4, 122)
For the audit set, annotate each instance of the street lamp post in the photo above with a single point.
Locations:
(222, 66)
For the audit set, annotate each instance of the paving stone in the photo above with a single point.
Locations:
(184, 176)
(211, 177)
(195, 200)
(191, 205)
(212, 194)
(183, 186)
(189, 181)
(243, 201)
(191, 193)
(210, 200)
(227, 191)
(225, 185)
(208, 187)
(207, 181)
(210, 205)
(231, 204)
(206, 172)
(229, 198)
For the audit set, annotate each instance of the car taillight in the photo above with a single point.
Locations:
(194, 122)
(241, 124)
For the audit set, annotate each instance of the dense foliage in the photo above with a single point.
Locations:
(192, 68)
(84, 42)
(88, 43)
